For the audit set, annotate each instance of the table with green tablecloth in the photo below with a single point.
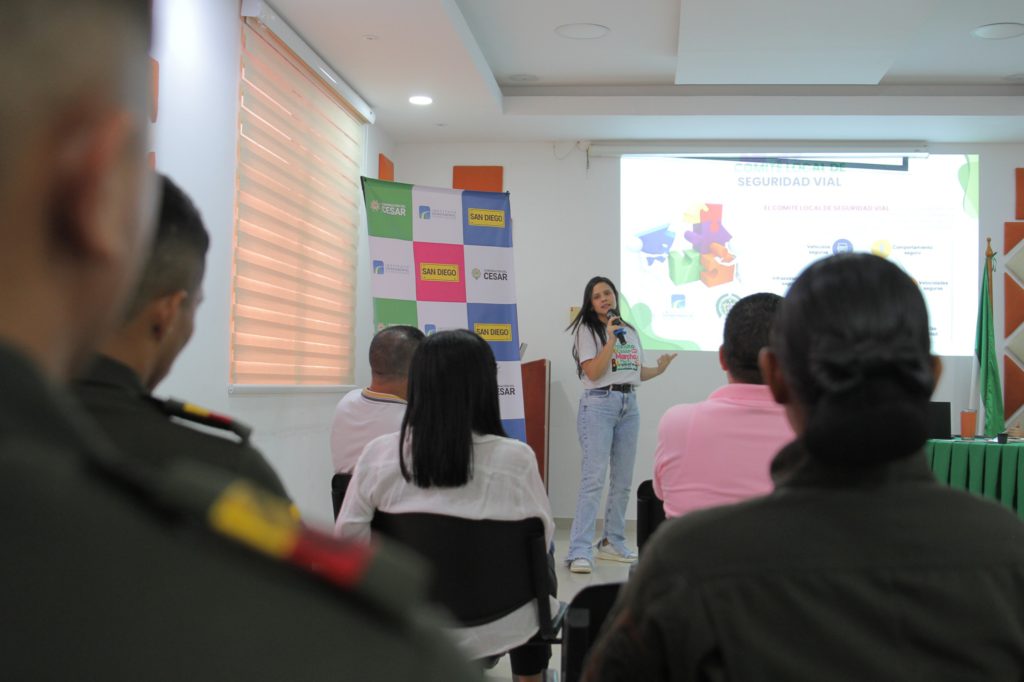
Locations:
(988, 469)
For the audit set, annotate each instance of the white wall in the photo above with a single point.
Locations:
(197, 43)
(567, 230)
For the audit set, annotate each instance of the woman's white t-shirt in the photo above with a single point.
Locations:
(506, 486)
(626, 360)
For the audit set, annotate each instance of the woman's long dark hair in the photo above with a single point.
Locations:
(587, 317)
(853, 341)
(453, 392)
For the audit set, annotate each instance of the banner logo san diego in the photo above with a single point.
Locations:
(489, 331)
(484, 217)
(439, 272)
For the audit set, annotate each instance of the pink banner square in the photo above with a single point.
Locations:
(440, 272)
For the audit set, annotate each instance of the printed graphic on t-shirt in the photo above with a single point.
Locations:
(626, 358)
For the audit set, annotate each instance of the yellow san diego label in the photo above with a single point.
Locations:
(439, 272)
(493, 332)
(483, 217)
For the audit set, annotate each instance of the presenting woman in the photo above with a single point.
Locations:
(451, 457)
(609, 362)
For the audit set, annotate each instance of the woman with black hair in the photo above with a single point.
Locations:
(609, 362)
(452, 457)
(860, 565)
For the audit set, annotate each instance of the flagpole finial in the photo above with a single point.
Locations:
(988, 251)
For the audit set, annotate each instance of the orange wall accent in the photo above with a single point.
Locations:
(1013, 233)
(1020, 194)
(1013, 304)
(1013, 394)
(385, 168)
(479, 178)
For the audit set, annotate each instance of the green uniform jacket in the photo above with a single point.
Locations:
(112, 570)
(869, 574)
(143, 427)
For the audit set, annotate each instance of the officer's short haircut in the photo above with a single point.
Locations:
(748, 328)
(178, 256)
(52, 51)
(392, 349)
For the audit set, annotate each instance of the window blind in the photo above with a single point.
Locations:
(296, 220)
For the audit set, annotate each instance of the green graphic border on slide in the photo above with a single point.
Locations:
(640, 317)
(968, 176)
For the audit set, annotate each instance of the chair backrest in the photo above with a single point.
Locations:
(650, 512)
(583, 620)
(482, 569)
(339, 484)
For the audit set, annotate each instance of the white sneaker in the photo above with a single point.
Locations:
(580, 566)
(607, 552)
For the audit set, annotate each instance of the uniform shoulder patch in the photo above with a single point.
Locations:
(201, 415)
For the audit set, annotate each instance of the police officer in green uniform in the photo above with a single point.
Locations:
(139, 354)
(114, 567)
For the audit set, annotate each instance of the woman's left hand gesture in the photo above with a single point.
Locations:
(664, 361)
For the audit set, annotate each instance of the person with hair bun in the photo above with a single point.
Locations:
(860, 565)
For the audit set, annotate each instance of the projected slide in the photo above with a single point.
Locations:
(699, 234)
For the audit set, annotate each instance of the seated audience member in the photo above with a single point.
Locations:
(859, 566)
(139, 354)
(378, 409)
(452, 457)
(718, 451)
(114, 568)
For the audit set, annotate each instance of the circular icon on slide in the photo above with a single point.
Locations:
(882, 248)
(842, 246)
(725, 304)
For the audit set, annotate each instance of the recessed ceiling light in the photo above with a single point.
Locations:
(999, 31)
(420, 100)
(523, 78)
(582, 31)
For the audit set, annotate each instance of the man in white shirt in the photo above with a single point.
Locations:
(378, 409)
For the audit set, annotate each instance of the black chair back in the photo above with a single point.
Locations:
(583, 620)
(482, 569)
(650, 512)
(339, 484)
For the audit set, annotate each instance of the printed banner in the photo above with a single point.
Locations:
(442, 259)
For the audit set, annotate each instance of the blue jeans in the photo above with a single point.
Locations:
(608, 424)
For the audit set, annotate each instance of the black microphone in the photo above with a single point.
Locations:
(620, 334)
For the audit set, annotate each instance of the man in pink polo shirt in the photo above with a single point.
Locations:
(718, 451)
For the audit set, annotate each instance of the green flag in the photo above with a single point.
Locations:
(988, 360)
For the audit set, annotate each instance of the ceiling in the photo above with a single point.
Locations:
(676, 69)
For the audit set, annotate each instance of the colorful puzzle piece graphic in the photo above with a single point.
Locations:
(684, 266)
(705, 234)
(715, 272)
(709, 238)
(709, 230)
(656, 243)
(712, 214)
(722, 253)
(692, 216)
